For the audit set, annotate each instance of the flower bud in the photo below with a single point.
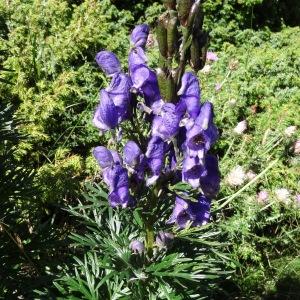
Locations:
(164, 239)
(161, 35)
(198, 51)
(137, 246)
(183, 8)
(166, 85)
(172, 34)
(170, 4)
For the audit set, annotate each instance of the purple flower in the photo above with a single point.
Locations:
(106, 115)
(108, 62)
(166, 125)
(203, 134)
(115, 176)
(192, 171)
(103, 156)
(155, 158)
(210, 182)
(132, 154)
(190, 94)
(137, 246)
(119, 92)
(211, 56)
(136, 58)
(143, 78)
(185, 212)
(139, 35)
(164, 239)
(119, 187)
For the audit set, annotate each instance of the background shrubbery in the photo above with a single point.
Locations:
(48, 106)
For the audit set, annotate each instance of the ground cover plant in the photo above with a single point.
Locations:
(254, 87)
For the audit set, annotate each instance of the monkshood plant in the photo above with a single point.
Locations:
(149, 235)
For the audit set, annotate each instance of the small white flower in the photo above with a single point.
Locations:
(251, 175)
(236, 177)
(289, 131)
(282, 194)
(206, 70)
(241, 127)
(297, 147)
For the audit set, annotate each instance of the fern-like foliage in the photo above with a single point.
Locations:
(106, 268)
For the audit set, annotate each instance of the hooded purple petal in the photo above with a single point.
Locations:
(119, 92)
(197, 213)
(190, 94)
(192, 170)
(139, 35)
(143, 78)
(106, 115)
(108, 62)
(103, 157)
(137, 57)
(210, 183)
(167, 124)
(117, 158)
(203, 134)
(118, 183)
(155, 157)
(132, 154)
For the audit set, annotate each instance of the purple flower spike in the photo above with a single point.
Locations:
(103, 157)
(137, 246)
(132, 154)
(192, 171)
(167, 124)
(106, 115)
(196, 213)
(139, 35)
(203, 134)
(155, 158)
(108, 62)
(210, 183)
(190, 94)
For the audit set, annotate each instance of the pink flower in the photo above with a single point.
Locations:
(218, 87)
(211, 56)
(297, 147)
(262, 196)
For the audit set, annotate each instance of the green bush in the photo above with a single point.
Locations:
(52, 45)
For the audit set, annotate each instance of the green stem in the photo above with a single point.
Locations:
(149, 220)
(149, 237)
